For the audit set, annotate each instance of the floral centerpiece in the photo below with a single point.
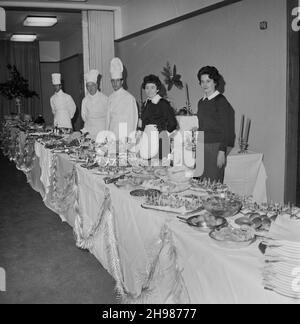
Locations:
(16, 87)
(172, 78)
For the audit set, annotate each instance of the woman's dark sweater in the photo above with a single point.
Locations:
(160, 114)
(216, 119)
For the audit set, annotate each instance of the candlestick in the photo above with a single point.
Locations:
(241, 134)
(187, 96)
(246, 138)
(141, 96)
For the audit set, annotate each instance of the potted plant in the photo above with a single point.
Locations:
(16, 87)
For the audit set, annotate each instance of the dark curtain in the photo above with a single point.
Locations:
(26, 57)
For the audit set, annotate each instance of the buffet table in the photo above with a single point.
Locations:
(153, 257)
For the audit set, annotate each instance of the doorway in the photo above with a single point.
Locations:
(298, 170)
(292, 155)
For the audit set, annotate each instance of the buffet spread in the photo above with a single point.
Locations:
(137, 219)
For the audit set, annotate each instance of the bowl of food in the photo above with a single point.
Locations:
(222, 207)
(180, 174)
(233, 238)
(205, 222)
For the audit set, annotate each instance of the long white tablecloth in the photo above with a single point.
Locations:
(152, 255)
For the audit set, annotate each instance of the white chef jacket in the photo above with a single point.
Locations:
(94, 113)
(63, 108)
(122, 108)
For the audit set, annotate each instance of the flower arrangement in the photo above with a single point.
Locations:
(16, 87)
(171, 77)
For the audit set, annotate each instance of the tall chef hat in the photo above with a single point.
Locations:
(116, 68)
(92, 76)
(56, 78)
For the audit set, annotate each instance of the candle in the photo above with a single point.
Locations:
(187, 95)
(246, 138)
(141, 96)
(241, 134)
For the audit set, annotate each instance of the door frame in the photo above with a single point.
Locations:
(292, 113)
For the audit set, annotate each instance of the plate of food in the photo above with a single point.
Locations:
(204, 222)
(138, 193)
(175, 204)
(208, 187)
(233, 238)
(166, 186)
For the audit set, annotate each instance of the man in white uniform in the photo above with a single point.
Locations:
(62, 105)
(122, 107)
(94, 106)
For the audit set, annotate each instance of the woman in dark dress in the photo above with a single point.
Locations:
(216, 120)
(157, 110)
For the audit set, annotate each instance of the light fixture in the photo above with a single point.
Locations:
(23, 38)
(34, 21)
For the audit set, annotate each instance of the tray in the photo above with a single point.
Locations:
(201, 223)
(177, 211)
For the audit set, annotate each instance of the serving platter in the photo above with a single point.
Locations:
(178, 211)
(204, 222)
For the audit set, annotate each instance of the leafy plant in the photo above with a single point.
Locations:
(171, 77)
(16, 86)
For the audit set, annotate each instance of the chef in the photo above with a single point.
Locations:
(94, 106)
(62, 105)
(122, 116)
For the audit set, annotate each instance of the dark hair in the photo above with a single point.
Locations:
(212, 72)
(152, 79)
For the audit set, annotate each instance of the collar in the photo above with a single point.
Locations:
(59, 93)
(119, 90)
(216, 93)
(155, 99)
(94, 96)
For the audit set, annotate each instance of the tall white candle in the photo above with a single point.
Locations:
(247, 132)
(241, 134)
(187, 95)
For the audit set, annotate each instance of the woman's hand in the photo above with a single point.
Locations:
(221, 160)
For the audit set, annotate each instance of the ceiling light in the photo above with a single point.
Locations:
(31, 21)
(23, 38)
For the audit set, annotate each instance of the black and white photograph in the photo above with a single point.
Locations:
(150, 154)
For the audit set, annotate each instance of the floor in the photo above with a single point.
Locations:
(39, 254)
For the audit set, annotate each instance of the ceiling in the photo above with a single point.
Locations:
(68, 23)
(117, 3)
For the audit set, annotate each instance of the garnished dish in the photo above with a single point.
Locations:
(166, 186)
(144, 193)
(222, 207)
(204, 222)
(233, 238)
(176, 204)
(138, 193)
(208, 187)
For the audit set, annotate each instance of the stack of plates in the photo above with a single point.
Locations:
(282, 257)
(282, 268)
